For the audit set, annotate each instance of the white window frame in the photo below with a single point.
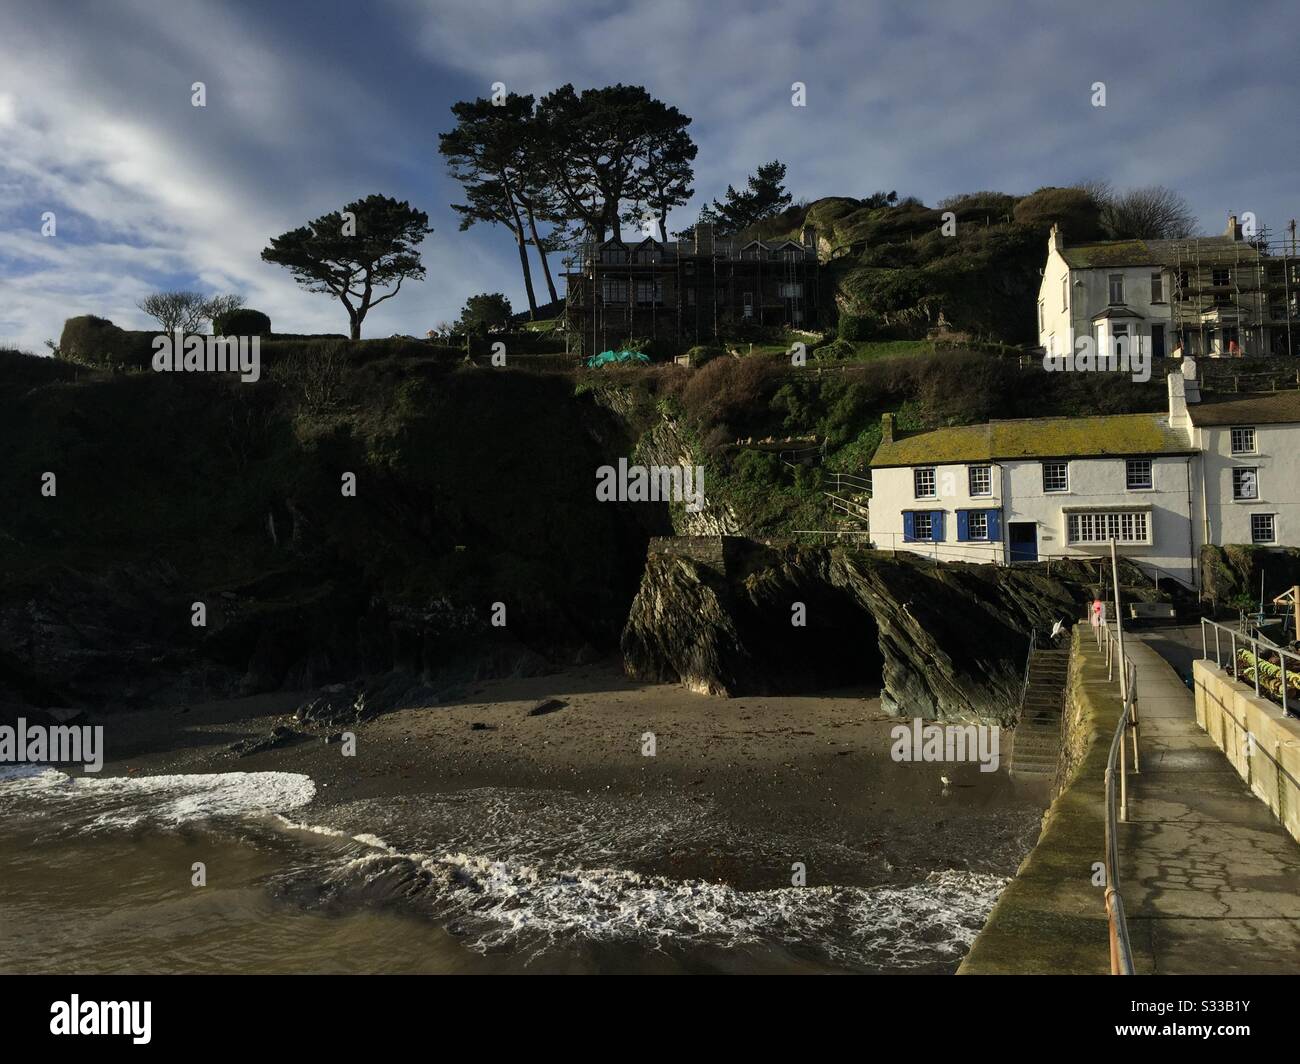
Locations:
(1272, 528)
(918, 474)
(1150, 474)
(1115, 285)
(1157, 288)
(1065, 466)
(987, 471)
(917, 517)
(1237, 483)
(1233, 437)
(1097, 527)
(982, 517)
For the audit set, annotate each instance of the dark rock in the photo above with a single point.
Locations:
(279, 736)
(546, 705)
(942, 641)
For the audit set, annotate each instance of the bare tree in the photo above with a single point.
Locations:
(186, 311)
(219, 306)
(1152, 212)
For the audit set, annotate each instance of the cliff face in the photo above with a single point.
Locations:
(473, 487)
(944, 642)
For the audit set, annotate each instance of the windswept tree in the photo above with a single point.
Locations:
(664, 180)
(763, 196)
(186, 311)
(353, 253)
(600, 148)
(492, 153)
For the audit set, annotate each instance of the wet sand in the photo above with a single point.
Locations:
(803, 770)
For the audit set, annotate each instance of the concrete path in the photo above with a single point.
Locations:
(1211, 881)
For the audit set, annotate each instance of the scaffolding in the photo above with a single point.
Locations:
(1238, 298)
(688, 289)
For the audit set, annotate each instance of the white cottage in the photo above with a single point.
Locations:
(1161, 485)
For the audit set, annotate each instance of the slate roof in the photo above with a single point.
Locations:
(1053, 437)
(1268, 408)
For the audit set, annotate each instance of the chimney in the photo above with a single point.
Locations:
(886, 428)
(704, 238)
(1056, 239)
(1184, 388)
(1234, 228)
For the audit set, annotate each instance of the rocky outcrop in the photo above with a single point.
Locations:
(943, 641)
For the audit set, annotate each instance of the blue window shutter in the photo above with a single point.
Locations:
(909, 526)
(995, 524)
(963, 526)
(936, 525)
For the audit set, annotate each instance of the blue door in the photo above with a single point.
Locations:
(1022, 538)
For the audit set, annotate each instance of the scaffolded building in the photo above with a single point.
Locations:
(1235, 296)
(694, 291)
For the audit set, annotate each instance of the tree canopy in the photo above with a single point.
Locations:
(353, 253)
(764, 195)
(483, 313)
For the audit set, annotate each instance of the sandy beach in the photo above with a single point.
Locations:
(806, 771)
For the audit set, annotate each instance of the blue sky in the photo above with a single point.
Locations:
(310, 105)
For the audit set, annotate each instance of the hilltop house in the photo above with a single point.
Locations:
(1161, 485)
(693, 290)
(1211, 296)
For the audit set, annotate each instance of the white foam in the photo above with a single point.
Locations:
(125, 801)
(516, 906)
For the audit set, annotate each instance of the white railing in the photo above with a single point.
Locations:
(851, 484)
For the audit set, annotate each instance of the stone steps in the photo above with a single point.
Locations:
(1035, 744)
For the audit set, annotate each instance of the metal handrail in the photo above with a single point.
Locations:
(1234, 636)
(1121, 948)
(1029, 657)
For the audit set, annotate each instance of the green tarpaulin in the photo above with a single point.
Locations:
(606, 357)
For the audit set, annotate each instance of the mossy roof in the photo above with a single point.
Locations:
(1212, 249)
(1053, 437)
(1111, 253)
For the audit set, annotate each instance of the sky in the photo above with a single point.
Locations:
(310, 105)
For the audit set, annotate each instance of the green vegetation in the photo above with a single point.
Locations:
(242, 322)
(484, 313)
(727, 407)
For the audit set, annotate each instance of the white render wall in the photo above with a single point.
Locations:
(892, 492)
(1095, 483)
(1099, 484)
(1089, 294)
(1221, 519)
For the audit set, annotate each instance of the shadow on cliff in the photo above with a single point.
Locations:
(943, 641)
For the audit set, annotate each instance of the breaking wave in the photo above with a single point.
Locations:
(90, 803)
